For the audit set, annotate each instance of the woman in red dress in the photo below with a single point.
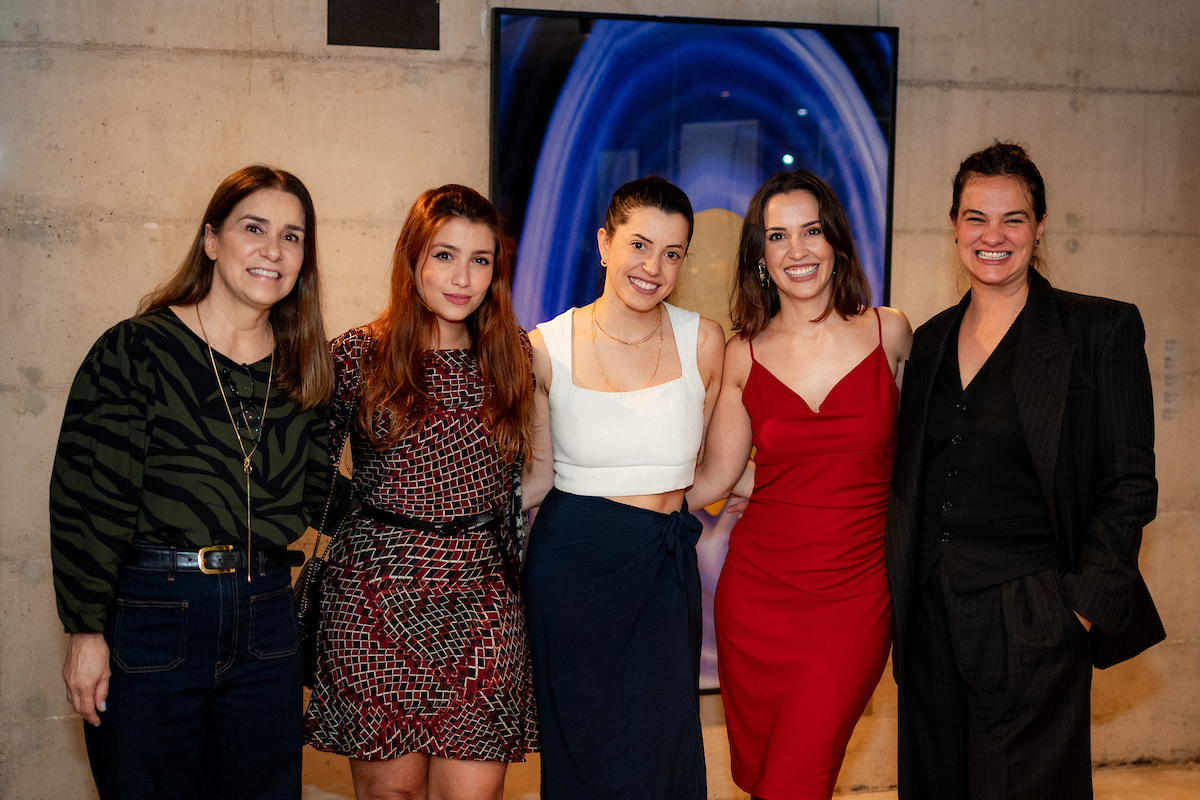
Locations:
(803, 615)
(423, 676)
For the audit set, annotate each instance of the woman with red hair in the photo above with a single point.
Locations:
(423, 674)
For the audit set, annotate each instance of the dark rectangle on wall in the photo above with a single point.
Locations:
(411, 24)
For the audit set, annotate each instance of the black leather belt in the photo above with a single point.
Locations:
(487, 521)
(216, 560)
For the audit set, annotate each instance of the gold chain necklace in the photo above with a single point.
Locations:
(644, 339)
(596, 355)
(246, 456)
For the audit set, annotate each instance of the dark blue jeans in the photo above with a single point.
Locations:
(206, 695)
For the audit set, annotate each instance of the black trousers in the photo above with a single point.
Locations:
(997, 700)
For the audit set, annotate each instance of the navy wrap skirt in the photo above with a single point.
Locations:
(613, 599)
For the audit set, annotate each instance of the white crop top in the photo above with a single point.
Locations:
(615, 444)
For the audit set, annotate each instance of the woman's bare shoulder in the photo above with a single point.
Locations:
(737, 360)
(710, 335)
(897, 333)
(543, 371)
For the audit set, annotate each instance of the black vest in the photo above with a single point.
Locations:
(982, 509)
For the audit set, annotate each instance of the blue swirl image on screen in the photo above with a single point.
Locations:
(714, 108)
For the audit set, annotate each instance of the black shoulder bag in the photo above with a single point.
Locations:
(343, 500)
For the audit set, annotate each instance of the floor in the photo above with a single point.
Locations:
(1163, 782)
(328, 778)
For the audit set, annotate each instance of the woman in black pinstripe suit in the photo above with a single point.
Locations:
(1024, 476)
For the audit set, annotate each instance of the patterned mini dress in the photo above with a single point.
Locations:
(423, 645)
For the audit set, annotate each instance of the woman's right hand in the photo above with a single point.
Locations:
(86, 672)
(740, 497)
(736, 504)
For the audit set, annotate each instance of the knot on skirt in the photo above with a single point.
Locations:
(681, 526)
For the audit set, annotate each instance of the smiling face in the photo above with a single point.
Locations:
(799, 259)
(455, 274)
(996, 231)
(259, 251)
(643, 257)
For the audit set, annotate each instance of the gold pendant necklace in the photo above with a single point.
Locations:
(596, 355)
(246, 456)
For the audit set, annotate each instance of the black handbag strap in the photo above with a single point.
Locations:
(333, 477)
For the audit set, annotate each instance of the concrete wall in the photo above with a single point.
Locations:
(120, 118)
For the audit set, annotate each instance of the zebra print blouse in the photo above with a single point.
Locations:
(147, 453)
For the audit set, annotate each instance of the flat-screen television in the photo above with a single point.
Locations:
(582, 103)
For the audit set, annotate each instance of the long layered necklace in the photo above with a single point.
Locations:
(246, 454)
(657, 359)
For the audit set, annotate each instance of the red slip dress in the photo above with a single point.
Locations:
(802, 611)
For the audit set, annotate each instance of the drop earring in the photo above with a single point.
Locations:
(763, 277)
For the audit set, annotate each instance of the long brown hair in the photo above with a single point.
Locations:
(303, 367)
(394, 388)
(752, 305)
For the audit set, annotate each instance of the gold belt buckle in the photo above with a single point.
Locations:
(216, 548)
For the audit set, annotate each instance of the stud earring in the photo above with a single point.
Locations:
(603, 263)
(956, 240)
(1037, 242)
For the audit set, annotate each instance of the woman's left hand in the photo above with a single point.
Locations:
(86, 672)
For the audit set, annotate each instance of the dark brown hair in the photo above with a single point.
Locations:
(648, 192)
(752, 305)
(394, 387)
(1009, 160)
(303, 367)
(1004, 159)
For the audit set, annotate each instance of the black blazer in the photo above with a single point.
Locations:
(1082, 387)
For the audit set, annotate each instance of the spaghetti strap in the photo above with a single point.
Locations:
(751, 343)
(879, 320)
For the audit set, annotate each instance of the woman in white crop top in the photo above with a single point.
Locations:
(625, 388)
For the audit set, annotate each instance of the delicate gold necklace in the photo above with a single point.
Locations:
(596, 355)
(644, 339)
(246, 455)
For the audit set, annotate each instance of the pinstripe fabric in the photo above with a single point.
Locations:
(1082, 386)
(147, 452)
(998, 694)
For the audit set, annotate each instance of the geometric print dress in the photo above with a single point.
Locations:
(423, 645)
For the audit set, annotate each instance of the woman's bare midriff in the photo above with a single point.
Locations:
(663, 503)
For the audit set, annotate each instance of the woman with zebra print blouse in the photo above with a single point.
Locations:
(192, 442)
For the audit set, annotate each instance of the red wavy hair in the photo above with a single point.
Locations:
(394, 387)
